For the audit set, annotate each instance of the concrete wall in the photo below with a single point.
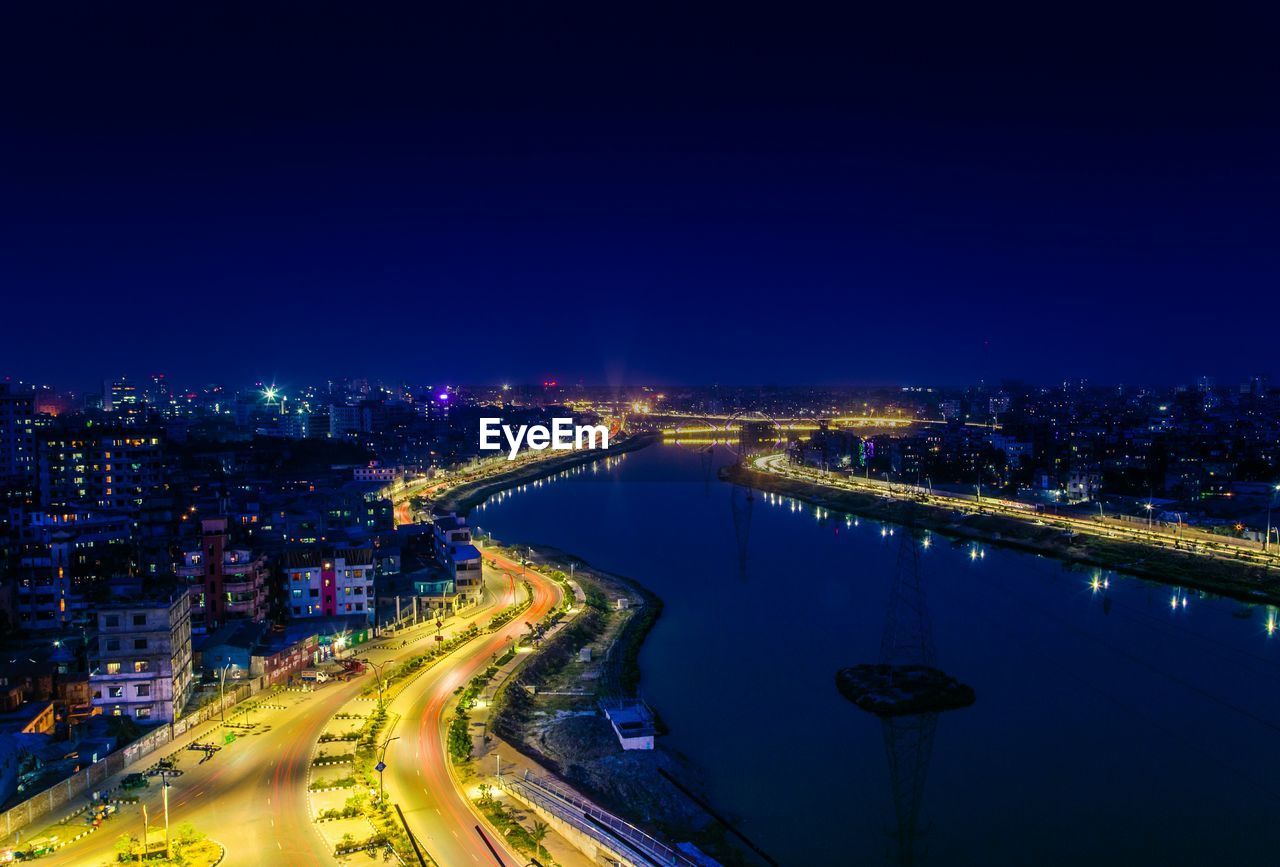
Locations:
(95, 776)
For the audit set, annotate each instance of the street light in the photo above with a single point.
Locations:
(165, 781)
(1149, 506)
(377, 669)
(382, 765)
(222, 693)
(1266, 540)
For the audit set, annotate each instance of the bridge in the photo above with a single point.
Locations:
(694, 428)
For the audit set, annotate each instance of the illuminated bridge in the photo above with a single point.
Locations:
(709, 429)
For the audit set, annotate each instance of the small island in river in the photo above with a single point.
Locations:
(897, 690)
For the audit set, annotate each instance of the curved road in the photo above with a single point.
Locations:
(252, 796)
(418, 774)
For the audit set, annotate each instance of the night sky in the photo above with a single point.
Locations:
(647, 197)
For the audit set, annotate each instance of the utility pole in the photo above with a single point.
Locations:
(222, 694)
(167, 851)
(1271, 501)
(377, 669)
(382, 766)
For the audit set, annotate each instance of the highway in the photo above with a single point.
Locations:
(252, 795)
(419, 773)
(1180, 539)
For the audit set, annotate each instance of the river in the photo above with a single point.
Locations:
(1117, 720)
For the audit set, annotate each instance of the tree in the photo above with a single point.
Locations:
(539, 833)
(186, 834)
(126, 847)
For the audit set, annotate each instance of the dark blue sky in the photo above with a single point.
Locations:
(691, 197)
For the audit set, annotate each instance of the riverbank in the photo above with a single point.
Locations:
(1240, 581)
(468, 495)
(550, 712)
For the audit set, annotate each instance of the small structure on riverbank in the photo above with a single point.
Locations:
(632, 722)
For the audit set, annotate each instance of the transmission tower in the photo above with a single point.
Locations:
(908, 739)
(707, 456)
(908, 635)
(741, 502)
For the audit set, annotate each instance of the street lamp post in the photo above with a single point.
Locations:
(222, 694)
(382, 765)
(377, 669)
(1266, 538)
(1271, 501)
(165, 779)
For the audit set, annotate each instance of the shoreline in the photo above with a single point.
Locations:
(660, 768)
(468, 495)
(1241, 582)
(711, 833)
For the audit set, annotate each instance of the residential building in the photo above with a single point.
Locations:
(64, 559)
(328, 582)
(376, 473)
(109, 469)
(229, 582)
(17, 431)
(460, 559)
(140, 659)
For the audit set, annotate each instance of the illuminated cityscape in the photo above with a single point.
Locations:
(551, 439)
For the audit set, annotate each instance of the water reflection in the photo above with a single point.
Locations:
(1107, 702)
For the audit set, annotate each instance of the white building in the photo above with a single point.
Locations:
(632, 722)
(140, 660)
(375, 473)
(459, 557)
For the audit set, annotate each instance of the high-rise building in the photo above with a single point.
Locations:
(65, 558)
(344, 421)
(108, 469)
(17, 432)
(228, 582)
(121, 398)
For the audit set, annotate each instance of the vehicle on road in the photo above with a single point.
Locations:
(36, 848)
(314, 675)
